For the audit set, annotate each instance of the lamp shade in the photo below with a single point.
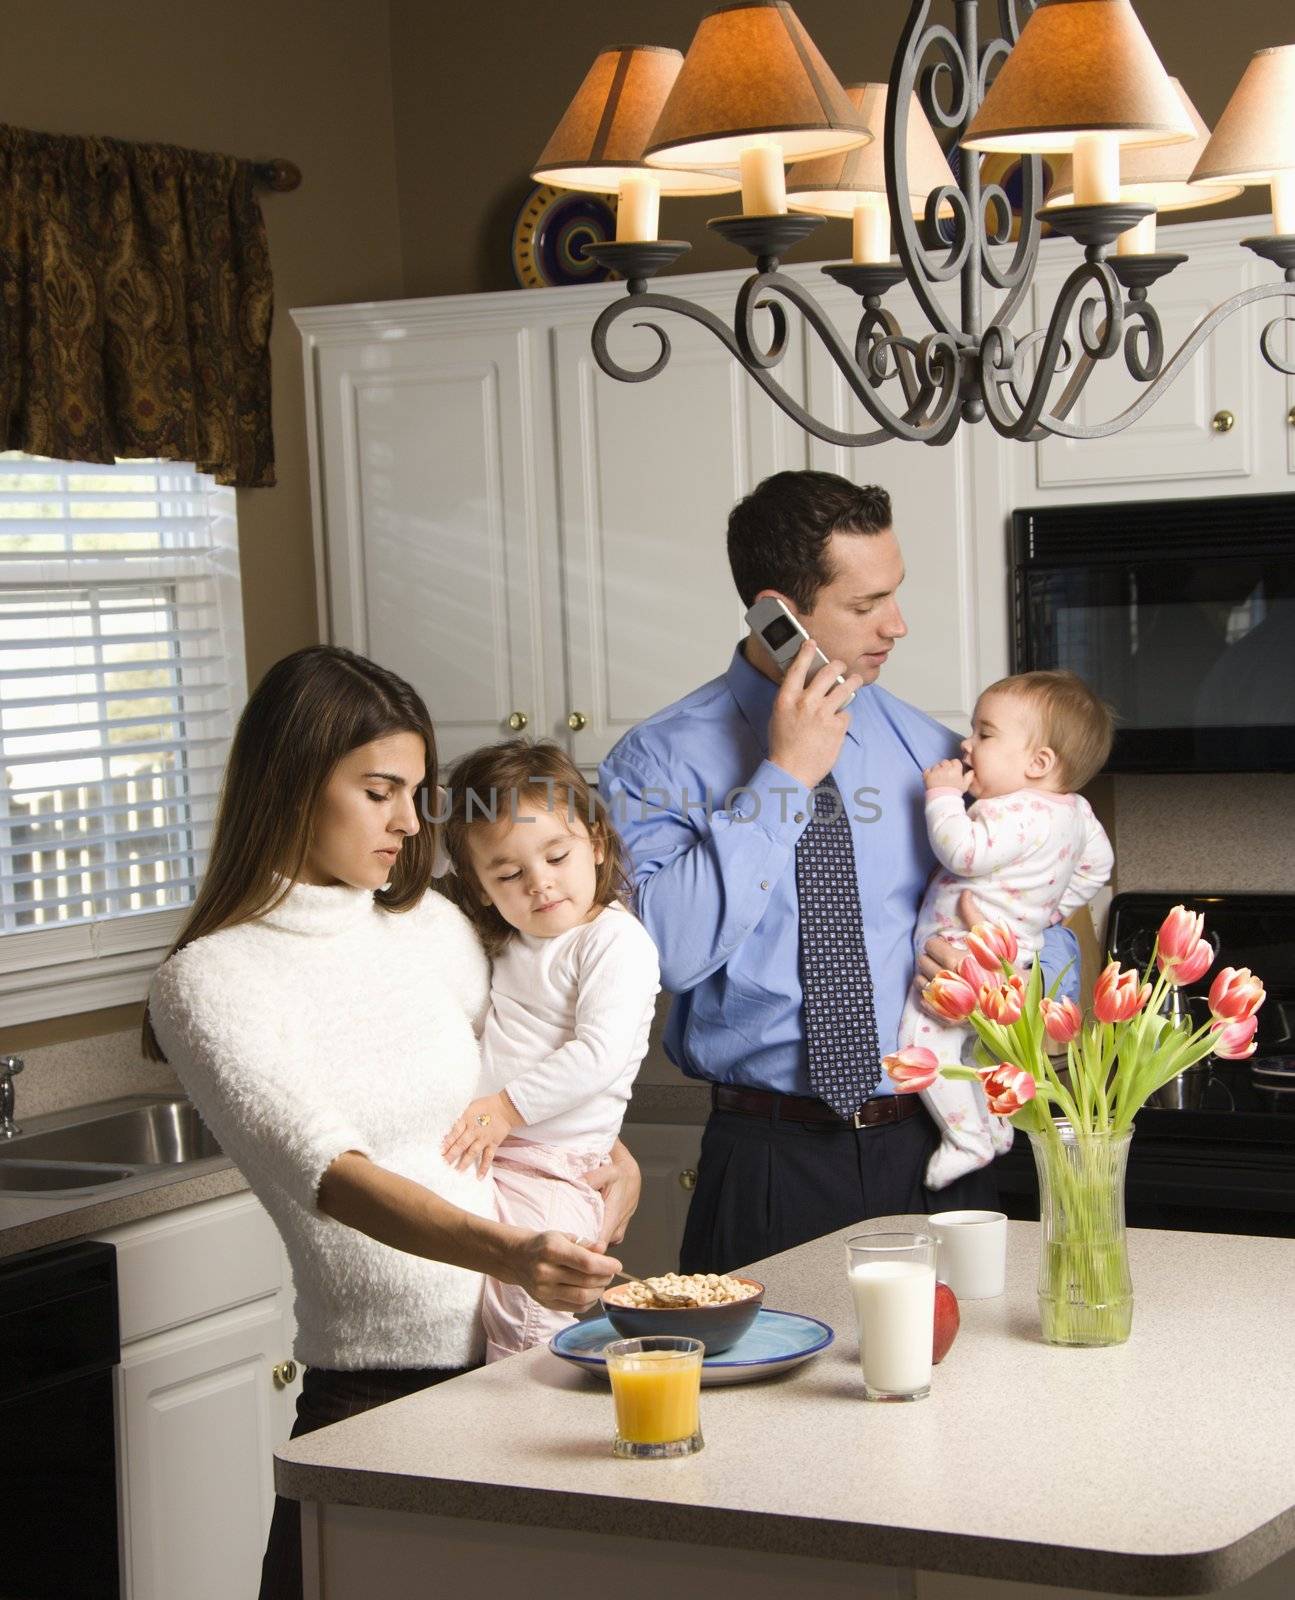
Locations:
(831, 185)
(600, 139)
(1157, 175)
(1079, 67)
(751, 72)
(1255, 138)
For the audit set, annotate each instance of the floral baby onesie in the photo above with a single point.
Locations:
(1031, 858)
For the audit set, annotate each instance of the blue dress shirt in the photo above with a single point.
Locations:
(712, 826)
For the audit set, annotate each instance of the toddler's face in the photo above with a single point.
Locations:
(1003, 744)
(538, 868)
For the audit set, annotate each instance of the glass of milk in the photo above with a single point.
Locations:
(892, 1276)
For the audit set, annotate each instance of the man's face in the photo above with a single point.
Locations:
(856, 616)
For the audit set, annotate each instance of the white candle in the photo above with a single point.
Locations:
(764, 183)
(638, 209)
(1097, 169)
(895, 1302)
(1283, 185)
(1139, 241)
(872, 229)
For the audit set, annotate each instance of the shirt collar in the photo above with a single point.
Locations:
(755, 695)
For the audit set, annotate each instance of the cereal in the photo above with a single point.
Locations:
(690, 1289)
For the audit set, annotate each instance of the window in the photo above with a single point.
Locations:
(121, 674)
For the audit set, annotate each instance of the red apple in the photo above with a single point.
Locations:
(946, 1321)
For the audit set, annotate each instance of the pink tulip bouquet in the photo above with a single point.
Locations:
(1080, 1116)
(1118, 1058)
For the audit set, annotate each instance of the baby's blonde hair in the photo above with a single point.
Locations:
(1073, 721)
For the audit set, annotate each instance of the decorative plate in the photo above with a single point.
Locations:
(551, 231)
(776, 1341)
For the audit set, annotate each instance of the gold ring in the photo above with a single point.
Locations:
(483, 1119)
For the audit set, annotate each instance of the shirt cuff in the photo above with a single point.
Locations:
(941, 790)
(774, 801)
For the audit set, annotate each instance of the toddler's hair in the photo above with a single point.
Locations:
(1073, 721)
(485, 788)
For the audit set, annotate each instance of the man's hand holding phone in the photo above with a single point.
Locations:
(806, 730)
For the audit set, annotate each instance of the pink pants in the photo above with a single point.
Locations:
(538, 1187)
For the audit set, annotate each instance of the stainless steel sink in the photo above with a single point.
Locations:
(40, 1177)
(101, 1145)
(163, 1134)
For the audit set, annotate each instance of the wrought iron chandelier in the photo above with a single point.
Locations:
(1066, 78)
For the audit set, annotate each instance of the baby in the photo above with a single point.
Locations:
(541, 873)
(1029, 848)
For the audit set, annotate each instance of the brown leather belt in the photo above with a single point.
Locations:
(876, 1113)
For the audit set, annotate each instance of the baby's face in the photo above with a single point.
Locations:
(1004, 740)
(539, 868)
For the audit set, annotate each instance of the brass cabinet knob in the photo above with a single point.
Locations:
(518, 721)
(688, 1178)
(284, 1374)
(577, 722)
(1224, 422)
(1290, 416)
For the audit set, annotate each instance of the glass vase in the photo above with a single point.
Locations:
(1085, 1290)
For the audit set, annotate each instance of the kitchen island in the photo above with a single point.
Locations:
(1164, 1466)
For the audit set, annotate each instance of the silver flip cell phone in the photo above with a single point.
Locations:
(782, 636)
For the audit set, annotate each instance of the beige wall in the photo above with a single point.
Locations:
(254, 78)
(478, 89)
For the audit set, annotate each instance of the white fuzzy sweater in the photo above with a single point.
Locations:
(331, 1025)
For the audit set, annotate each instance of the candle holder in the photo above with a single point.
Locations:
(1278, 247)
(869, 279)
(766, 238)
(637, 260)
(1138, 273)
(1095, 227)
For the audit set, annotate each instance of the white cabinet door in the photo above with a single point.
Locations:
(432, 517)
(938, 666)
(1177, 438)
(667, 1155)
(648, 473)
(200, 1419)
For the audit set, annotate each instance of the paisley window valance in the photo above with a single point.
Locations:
(135, 305)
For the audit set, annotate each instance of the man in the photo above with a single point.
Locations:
(780, 855)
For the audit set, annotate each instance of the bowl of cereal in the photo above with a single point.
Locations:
(715, 1307)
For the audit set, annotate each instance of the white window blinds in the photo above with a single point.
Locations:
(120, 676)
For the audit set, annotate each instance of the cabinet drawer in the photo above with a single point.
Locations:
(173, 1269)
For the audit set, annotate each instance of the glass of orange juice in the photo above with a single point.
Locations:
(656, 1387)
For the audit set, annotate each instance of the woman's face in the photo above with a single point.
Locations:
(367, 809)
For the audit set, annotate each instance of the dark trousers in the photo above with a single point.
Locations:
(765, 1185)
(328, 1397)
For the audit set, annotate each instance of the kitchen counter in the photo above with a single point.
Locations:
(27, 1221)
(1163, 1466)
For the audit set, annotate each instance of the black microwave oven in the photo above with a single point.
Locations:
(1179, 613)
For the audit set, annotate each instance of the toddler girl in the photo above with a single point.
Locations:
(541, 872)
(1029, 848)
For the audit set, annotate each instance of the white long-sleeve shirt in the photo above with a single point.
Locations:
(330, 1025)
(568, 1028)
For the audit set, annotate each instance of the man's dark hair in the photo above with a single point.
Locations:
(777, 536)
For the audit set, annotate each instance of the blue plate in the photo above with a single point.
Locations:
(776, 1341)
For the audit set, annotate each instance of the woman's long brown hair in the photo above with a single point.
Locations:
(310, 709)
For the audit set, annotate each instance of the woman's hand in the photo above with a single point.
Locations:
(480, 1131)
(560, 1273)
(619, 1182)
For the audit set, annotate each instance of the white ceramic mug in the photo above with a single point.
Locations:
(972, 1258)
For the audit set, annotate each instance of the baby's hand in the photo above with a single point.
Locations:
(479, 1132)
(950, 774)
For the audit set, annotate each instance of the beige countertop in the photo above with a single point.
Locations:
(1163, 1466)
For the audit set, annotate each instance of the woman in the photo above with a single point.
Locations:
(320, 1007)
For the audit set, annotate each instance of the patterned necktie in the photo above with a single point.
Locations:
(840, 1018)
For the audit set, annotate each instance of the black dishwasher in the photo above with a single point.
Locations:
(58, 1347)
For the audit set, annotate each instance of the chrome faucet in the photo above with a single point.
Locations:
(10, 1067)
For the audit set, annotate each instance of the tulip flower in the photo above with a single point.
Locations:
(1234, 1041)
(1182, 954)
(1062, 1019)
(970, 971)
(952, 996)
(1236, 994)
(1002, 1002)
(1117, 996)
(1007, 1088)
(990, 944)
(912, 1069)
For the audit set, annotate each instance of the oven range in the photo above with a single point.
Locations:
(1226, 1162)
